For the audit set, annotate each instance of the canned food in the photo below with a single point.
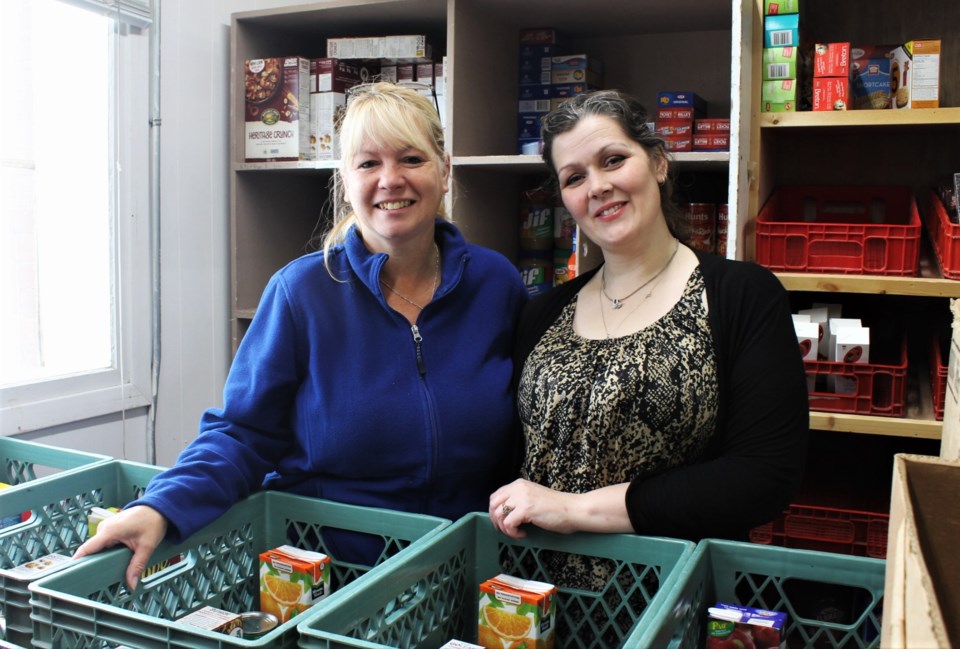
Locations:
(257, 623)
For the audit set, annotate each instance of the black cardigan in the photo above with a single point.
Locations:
(754, 464)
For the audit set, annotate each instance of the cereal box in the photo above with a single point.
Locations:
(729, 625)
(332, 75)
(277, 109)
(326, 109)
(515, 611)
(915, 75)
(292, 580)
(209, 618)
(870, 76)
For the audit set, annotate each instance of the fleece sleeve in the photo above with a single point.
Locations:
(756, 461)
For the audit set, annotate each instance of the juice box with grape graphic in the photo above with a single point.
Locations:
(292, 580)
(516, 613)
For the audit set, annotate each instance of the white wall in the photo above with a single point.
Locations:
(195, 261)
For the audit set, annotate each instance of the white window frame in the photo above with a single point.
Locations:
(127, 386)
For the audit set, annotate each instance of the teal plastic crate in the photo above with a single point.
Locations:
(56, 511)
(831, 600)
(432, 596)
(22, 461)
(89, 605)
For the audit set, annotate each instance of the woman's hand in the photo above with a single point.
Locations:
(522, 502)
(139, 528)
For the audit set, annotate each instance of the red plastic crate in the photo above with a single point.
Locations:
(868, 230)
(945, 236)
(827, 529)
(938, 379)
(879, 389)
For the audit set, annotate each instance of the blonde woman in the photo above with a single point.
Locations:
(376, 372)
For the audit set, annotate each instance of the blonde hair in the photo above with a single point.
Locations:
(385, 115)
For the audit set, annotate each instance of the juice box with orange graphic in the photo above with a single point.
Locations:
(292, 580)
(516, 612)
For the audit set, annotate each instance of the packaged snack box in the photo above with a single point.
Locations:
(915, 75)
(215, 619)
(292, 580)
(729, 625)
(870, 76)
(781, 30)
(831, 93)
(779, 96)
(773, 7)
(779, 63)
(516, 610)
(831, 60)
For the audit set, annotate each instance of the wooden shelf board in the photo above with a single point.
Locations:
(861, 118)
(305, 165)
(534, 163)
(892, 426)
(870, 284)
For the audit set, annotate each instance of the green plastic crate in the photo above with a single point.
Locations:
(56, 511)
(432, 595)
(22, 461)
(89, 605)
(831, 600)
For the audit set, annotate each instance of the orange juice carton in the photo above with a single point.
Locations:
(292, 580)
(915, 75)
(209, 618)
(729, 625)
(516, 610)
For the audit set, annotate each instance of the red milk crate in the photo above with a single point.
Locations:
(945, 236)
(827, 529)
(868, 230)
(938, 376)
(879, 389)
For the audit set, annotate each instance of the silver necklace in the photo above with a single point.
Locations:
(603, 318)
(617, 303)
(436, 282)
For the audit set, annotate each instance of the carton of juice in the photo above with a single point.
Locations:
(292, 580)
(516, 612)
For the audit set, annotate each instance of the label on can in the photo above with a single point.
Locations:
(701, 222)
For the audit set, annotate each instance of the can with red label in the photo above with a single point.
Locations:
(701, 224)
(722, 219)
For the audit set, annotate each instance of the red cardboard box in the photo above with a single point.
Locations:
(713, 125)
(711, 141)
(674, 114)
(678, 142)
(831, 60)
(675, 128)
(831, 93)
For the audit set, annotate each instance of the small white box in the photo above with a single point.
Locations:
(325, 112)
(820, 315)
(852, 345)
(808, 337)
(833, 326)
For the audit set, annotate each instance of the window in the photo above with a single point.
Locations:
(74, 233)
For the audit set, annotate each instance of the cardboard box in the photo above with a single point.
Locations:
(576, 68)
(718, 125)
(407, 48)
(534, 99)
(440, 77)
(524, 603)
(678, 143)
(561, 92)
(528, 126)
(729, 625)
(920, 585)
(277, 109)
(292, 580)
(682, 99)
(808, 338)
(711, 141)
(779, 63)
(831, 60)
(674, 115)
(333, 75)
(831, 93)
(676, 128)
(460, 644)
(870, 76)
(950, 437)
(541, 36)
(779, 96)
(215, 619)
(774, 7)
(821, 316)
(852, 345)
(326, 110)
(536, 62)
(781, 30)
(915, 75)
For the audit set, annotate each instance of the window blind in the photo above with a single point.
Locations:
(135, 13)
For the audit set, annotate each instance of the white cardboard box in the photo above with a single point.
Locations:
(325, 111)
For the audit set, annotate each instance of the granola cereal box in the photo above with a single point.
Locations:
(514, 610)
(277, 109)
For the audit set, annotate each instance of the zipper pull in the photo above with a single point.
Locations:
(417, 339)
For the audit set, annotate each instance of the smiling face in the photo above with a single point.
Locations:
(610, 184)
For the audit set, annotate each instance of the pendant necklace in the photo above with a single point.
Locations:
(603, 317)
(617, 303)
(436, 282)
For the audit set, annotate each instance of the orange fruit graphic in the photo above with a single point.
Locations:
(488, 639)
(285, 592)
(507, 625)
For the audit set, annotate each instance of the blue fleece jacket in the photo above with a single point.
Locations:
(333, 394)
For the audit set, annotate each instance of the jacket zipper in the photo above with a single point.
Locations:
(417, 340)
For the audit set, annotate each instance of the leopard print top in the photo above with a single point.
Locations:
(604, 412)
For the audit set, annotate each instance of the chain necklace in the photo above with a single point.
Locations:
(603, 317)
(617, 303)
(436, 282)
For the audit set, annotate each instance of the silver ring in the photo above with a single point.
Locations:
(506, 509)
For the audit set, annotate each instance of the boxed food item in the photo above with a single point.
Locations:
(718, 125)
(13, 519)
(676, 128)
(674, 115)
(678, 143)
(541, 36)
(528, 126)
(773, 7)
(682, 99)
(517, 610)
(536, 62)
(215, 619)
(277, 109)
(39, 567)
(870, 76)
(425, 73)
(326, 110)
(915, 75)
(333, 75)
(576, 68)
(711, 141)
(819, 315)
(730, 626)
(779, 96)
(410, 48)
(779, 63)
(388, 72)
(292, 580)
(534, 98)
(781, 30)
(831, 60)
(460, 644)
(831, 93)
(561, 92)
(808, 338)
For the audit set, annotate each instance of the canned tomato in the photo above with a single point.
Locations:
(722, 220)
(701, 222)
(255, 624)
